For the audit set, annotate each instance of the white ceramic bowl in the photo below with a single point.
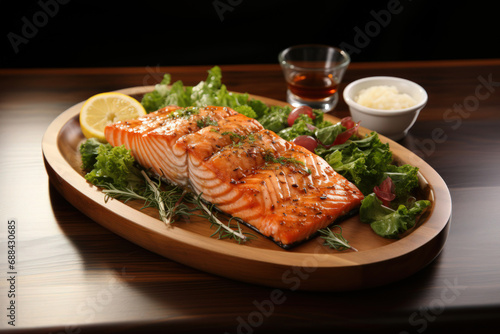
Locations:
(393, 124)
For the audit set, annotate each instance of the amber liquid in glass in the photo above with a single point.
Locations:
(313, 86)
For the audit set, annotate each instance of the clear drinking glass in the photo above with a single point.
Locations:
(313, 73)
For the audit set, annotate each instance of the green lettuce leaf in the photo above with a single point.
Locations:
(405, 179)
(299, 128)
(156, 99)
(351, 167)
(363, 162)
(208, 92)
(327, 135)
(386, 222)
(178, 95)
(319, 119)
(89, 151)
(246, 110)
(114, 165)
(276, 119)
(259, 107)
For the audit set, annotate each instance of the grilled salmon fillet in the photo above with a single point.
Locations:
(152, 138)
(279, 188)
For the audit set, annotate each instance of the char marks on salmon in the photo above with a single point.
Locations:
(281, 189)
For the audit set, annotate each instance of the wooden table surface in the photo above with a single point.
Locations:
(74, 276)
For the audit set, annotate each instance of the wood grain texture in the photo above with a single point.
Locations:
(77, 276)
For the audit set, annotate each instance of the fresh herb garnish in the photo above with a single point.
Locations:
(167, 199)
(270, 158)
(184, 112)
(118, 176)
(335, 240)
(206, 121)
(223, 231)
(235, 137)
(252, 138)
(238, 140)
(229, 231)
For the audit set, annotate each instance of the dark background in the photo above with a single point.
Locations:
(167, 33)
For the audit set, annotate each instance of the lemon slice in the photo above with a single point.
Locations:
(106, 108)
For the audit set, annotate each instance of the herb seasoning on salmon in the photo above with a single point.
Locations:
(281, 189)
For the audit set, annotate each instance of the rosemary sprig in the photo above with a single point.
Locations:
(158, 198)
(171, 202)
(168, 200)
(223, 233)
(126, 194)
(114, 171)
(228, 231)
(335, 240)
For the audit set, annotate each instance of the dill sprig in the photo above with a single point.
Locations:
(239, 140)
(206, 121)
(269, 157)
(335, 240)
(234, 136)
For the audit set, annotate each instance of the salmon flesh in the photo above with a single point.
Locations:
(280, 189)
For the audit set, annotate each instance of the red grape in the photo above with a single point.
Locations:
(385, 192)
(344, 136)
(297, 112)
(307, 142)
(347, 122)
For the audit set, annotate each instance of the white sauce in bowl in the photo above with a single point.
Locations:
(385, 98)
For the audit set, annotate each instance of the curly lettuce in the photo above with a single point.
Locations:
(299, 128)
(246, 110)
(208, 92)
(156, 99)
(89, 151)
(386, 222)
(109, 165)
(276, 118)
(363, 162)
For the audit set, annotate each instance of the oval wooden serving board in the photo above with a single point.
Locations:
(310, 266)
